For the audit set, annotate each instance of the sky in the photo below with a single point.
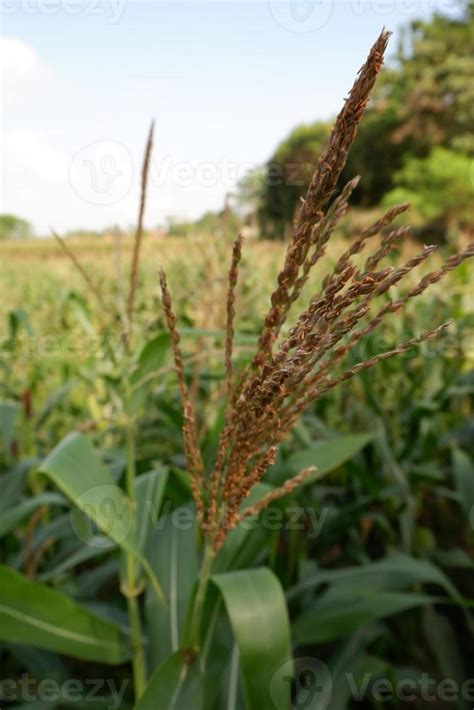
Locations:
(81, 80)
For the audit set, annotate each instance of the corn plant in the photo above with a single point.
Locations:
(207, 627)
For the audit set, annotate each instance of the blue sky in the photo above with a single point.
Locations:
(225, 82)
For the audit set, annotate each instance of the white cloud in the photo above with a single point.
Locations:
(57, 163)
(29, 158)
(30, 154)
(24, 75)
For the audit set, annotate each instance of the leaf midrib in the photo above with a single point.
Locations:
(58, 631)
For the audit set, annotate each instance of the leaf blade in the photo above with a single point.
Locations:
(75, 468)
(328, 455)
(257, 612)
(38, 615)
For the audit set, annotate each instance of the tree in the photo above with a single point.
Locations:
(287, 175)
(439, 187)
(12, 227)
(431, 90)
(424, 100)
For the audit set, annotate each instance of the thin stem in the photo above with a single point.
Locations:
(139, 230)
(132, 591)
(81, 270)
(130, 472)
(138, 655)
(198, 608)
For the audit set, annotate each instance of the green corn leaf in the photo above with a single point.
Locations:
(463, 469)
(255, 604)
(149, 492)
(326, 455)
(150, 361)
(14, 516)
(34, 614)
(394, 572)
(77, 471)
(175, 685)
(8, 416)
(173, 555)
(443, 642)
(85, 553)
(343, 610)
(13, 484)
(256, 609)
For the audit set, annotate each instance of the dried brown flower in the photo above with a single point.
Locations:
(285, 377)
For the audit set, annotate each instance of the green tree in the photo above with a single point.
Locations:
(12, 227)
(439, 187)
(430, 90)
(424, 100)
(287, 175)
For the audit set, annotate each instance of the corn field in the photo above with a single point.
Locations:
(236, 473)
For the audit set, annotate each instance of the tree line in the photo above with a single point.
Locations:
(416, 142)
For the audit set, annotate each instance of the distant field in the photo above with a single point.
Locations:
(34, 273)
(46, 304)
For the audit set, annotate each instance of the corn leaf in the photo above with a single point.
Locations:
(174, 685)
(327, 455)
(14, 516)
(343, 610)
(173, 555)
(77, 471)
(257, 612)
(37, 615)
